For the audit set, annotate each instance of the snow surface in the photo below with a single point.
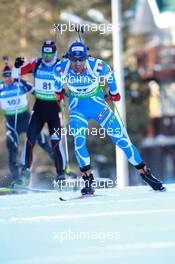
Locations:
(127, 226)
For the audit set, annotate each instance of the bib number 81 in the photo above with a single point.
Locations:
(47, 86)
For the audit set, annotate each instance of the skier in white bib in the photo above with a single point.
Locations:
(14, 105)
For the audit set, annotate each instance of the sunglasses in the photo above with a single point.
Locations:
(7, 75)
(48, 55)
(74, 59)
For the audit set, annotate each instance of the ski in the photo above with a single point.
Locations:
(80, 197)
(67, 185)
(39, 190)
(23, 190)
(7, 190)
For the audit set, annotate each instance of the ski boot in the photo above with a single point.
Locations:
(25, 176)
(148, 177)
(23, 180)
(15, 184)
(88, 189)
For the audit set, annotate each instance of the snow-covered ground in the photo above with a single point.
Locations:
(128, 226)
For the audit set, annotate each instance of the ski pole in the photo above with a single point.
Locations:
(79, 31)
(57, 30)
(118, 113)
(16, 110)
(62, 104)
(68, 171)
(6, 60)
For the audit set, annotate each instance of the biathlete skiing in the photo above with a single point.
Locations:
(14, 105)
(46, 108)
(82, 75)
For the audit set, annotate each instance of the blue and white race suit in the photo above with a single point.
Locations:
(86, 102)
(14, 105)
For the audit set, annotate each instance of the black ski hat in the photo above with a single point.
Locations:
(49, 46)
(7, 71)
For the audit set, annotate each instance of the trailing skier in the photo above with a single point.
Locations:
(46, 108)
(14, 104)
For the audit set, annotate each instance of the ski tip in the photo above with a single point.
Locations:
(61, 199)
(79, 197)
(164, 189)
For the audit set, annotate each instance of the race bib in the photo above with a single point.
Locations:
(15, 103)
(44, 89)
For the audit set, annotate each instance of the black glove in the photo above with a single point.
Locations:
(19, 62)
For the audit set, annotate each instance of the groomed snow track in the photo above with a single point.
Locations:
(127, 226)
